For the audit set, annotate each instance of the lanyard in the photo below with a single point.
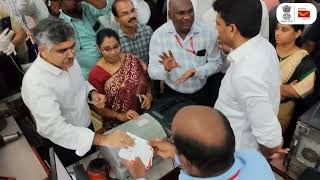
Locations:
(191, 44)
(233, 177)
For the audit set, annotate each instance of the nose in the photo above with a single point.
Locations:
(113, 51)
(277, 33)
(70, 53)
(131, 14)
(187, 17)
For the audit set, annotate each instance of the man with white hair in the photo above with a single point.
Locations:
(57, 95)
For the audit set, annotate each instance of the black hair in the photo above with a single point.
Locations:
(245, 14)
(103, 33)
(114, 6)
(208, 159)
(296, 28)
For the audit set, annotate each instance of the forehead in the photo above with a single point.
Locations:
(180, 5)
(122, 6)
(219, 19)
(284, 26)
(66, 44)
(109, 41)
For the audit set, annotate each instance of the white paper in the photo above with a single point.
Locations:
(140, 149)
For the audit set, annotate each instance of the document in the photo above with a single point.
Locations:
(140, 149)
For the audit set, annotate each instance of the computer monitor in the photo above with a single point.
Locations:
(58, 171)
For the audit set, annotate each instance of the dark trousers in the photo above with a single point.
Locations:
(10, 76)
(68, 156)
(201, 97)
(214, 83)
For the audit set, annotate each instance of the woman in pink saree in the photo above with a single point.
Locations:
(123, 78)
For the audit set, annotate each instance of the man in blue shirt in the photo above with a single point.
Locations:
(204, 145)
(83, 16)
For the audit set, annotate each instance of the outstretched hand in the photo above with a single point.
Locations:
(168, 61)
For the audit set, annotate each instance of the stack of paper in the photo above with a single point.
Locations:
(140, 149)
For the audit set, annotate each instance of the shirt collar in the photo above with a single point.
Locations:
(195, 29)
(237, 165)
(243, 50)
(44, 65)
(122, 34)
(64, 16)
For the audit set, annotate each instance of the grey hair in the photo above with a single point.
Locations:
(51, 31)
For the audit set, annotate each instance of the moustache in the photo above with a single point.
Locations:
(132, 20)
(68, 61)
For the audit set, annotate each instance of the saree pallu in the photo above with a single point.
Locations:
(123, 87)
(297, 66)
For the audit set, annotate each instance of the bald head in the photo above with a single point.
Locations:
(182, 15)
(193, 121)
(205, 138)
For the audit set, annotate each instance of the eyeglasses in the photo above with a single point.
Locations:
(128, 13)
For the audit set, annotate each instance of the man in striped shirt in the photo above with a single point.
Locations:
(184, 53)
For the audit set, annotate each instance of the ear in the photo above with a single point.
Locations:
(116, 18)
(98, 49)
(169, 14)
(185, 163)
(43, 52)
(234, 30)
(298, 34)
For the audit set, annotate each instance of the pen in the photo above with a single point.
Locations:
(140, 98)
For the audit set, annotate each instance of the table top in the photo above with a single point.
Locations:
(17, 158)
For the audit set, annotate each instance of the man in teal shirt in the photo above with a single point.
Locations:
(83, 16)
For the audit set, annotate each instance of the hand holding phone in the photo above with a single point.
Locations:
(5, 42)
(5, 23)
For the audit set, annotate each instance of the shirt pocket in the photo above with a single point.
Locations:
(201, 60)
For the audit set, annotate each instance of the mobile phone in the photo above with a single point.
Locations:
(96, 26)
(201, 52)
(5, 23)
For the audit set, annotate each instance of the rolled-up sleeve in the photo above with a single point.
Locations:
(50, 122)
(89, 87)
(94, 12)
(214, 60)
(155, 69)
(254, 98)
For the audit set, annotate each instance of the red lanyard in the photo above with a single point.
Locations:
(233, 177)
(191, 44)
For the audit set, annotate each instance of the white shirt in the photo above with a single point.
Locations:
(264, 28)
(209, 16)
(199, 6)
(163, 40)
(36, 9)
(58, 101)
(143, 11)
(249, 94)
